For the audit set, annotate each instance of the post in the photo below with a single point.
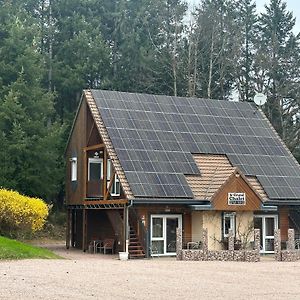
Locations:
(277, 244)
(178, 243)
(205, 240)
(68, 229)
(104, 174)
(291, 240)
(257, 240)
(84, 229)
(125, 229)
(84, 174)
(230, 240)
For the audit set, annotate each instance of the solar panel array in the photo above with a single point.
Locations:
(155, 137)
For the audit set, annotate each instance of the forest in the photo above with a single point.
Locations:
(52, 49)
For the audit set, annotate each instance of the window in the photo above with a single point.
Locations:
(73, 162)
(95, 169)
(115, 188)
(228, 223)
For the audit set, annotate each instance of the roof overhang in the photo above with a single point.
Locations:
(284, 202)
(169, 201)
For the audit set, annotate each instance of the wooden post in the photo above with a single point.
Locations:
(84, 230)
(68, 229)
(104, 173)
(125, 228)
(84, 173)
(73, 228)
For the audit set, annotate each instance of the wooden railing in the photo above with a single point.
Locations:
(142, 233)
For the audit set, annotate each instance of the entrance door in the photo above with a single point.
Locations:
(163, 234)
(267, 225)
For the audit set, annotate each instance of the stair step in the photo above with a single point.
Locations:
(135, 249)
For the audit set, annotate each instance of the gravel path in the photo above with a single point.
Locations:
(89, 276)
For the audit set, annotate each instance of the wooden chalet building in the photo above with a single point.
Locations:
(154, 163)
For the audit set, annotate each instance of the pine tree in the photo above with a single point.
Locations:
(278, 68)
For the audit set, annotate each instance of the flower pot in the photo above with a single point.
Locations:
(123, 255)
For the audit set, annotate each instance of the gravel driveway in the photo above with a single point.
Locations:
(95, 276)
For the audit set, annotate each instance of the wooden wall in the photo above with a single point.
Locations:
(284, 222)
(145, 211)
(236, 184)
(74, 190)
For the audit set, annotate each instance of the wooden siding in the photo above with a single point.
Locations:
(284, 222)
(145, 212)
(236, 184)
(84, 137)
(75, 190)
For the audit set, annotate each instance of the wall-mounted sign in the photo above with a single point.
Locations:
(236, 199)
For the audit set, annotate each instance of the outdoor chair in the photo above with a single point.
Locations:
(108, 244)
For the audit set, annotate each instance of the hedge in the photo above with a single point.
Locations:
(21, 214)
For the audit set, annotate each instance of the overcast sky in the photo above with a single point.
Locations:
(292, 5)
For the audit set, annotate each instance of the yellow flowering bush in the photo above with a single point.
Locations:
(19, 213)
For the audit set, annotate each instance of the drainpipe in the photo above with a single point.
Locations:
(127, 225)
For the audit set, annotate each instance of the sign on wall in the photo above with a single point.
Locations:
(236, 199)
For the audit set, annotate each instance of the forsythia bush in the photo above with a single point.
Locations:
(19, 213)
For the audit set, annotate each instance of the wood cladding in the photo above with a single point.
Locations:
(284, 222)
(236, 184)
(75, 190)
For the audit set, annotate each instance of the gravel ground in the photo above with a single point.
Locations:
(96, 276)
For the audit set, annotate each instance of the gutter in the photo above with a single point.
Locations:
(201, 207)
(127, 227)
(284, 202)
(168, 201)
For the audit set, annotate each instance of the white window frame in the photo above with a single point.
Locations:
(116, 180)
(263, 234)
(95, 160)
(164, 237)
(73, 162)
(232, 223)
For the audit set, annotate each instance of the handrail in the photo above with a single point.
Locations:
(140, 229)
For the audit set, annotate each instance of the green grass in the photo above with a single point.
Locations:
(12, 249)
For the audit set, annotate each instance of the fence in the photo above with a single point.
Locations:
(292, 251)
(223, 255)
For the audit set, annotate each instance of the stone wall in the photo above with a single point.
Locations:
(290, 254)
(222, 255)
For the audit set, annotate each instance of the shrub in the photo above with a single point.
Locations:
(21, 214)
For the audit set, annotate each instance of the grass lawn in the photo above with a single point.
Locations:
(12, 249)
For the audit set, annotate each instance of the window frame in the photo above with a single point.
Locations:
(116, 180)
(232, 219)
(97, 160)
(73, 169)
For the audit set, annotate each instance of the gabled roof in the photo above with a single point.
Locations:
(215, 171)
(154, 139)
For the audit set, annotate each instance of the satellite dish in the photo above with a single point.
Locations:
(260, 99)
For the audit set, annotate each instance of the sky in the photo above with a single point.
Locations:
(292, 5)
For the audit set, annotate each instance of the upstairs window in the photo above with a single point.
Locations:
(73, 162)
(115, 188)
(95, 169)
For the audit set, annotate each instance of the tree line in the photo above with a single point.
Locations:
(52, 49)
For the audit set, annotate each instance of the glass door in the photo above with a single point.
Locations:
(163, 234)
(172, 224)
(95, 175)
(267, 225)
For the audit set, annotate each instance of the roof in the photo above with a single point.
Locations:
(155, 137)
(215, 171)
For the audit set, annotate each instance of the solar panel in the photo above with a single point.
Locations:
(154, 137)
